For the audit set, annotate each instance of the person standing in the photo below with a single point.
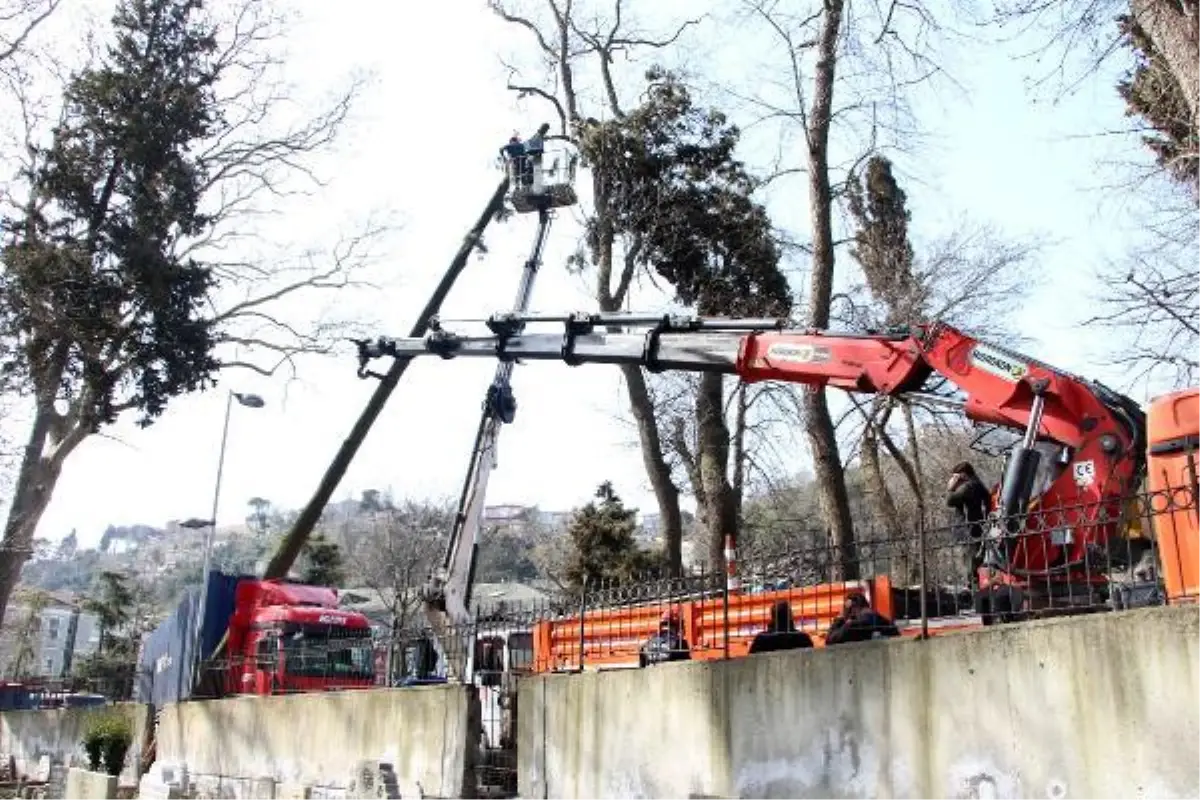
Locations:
(971, 501)
(781, 634)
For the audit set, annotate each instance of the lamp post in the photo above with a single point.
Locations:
(249, 401)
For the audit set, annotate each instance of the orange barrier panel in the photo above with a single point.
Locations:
(813, 610)
(1173, 434)
(612, 637)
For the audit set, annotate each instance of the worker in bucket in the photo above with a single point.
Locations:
(668, 644)
(859, 623)
(515, 153)
(781, 633)
(971, 502)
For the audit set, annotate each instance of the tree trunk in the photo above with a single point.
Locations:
(885, 504)
(914, 454)
(720, 515)
(822, 436)
(657, 469)
(1173, 27)
(35, 485)
(739, 451)
(293, 543)
(831, 484)
(885, 508)
(666, 493)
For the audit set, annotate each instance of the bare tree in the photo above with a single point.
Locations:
(972, 280)
(396, 554)
(18, 21)
(848, 72)
(80, 316)
(568, 40)
(1147, 298)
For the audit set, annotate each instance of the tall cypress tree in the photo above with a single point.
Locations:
(99, 311)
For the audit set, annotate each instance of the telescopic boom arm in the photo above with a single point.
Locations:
(1100, 432)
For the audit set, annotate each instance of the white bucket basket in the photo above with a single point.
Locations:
(543, 181)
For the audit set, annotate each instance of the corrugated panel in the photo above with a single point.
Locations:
(222, 590)
(163, 671)
(167, 654)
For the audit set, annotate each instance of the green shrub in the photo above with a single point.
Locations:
(106, 741)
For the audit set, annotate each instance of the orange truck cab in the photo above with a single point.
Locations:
(1173, 437)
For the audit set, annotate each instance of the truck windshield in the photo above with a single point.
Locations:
(322, 653)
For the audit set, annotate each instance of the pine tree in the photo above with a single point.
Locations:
(323, 562)
(604, 549)
(882, 248)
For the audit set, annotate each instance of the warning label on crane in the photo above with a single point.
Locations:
(798, 353)
(997, 363)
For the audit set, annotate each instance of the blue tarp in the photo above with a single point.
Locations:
(15, 698)
(168, 651)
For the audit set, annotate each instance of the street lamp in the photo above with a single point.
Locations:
(249, 401)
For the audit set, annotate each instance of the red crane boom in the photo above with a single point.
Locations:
(1065, 508)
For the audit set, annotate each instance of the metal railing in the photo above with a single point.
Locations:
(937, 579)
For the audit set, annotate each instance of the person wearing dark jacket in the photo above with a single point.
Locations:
(971, 501)
(859, 623)
(668, 644)
(781, 634)
(516, 153)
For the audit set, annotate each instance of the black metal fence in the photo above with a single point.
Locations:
(938, 578)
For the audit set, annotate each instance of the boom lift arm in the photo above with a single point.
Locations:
(449, 589)
(447, 594)
(1099, 432)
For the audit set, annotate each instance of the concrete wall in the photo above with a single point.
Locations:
(426, 734)
(1106, 705)
(57, 734)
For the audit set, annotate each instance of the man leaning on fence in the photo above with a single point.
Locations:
(668, 644)
(859, 623)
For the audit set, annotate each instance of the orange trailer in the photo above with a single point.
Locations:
(611, 638)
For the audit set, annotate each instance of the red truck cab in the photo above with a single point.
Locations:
(288, 637)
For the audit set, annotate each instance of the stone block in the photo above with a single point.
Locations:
(84, 784)
(291, 790)
(262, 789)
(56, 784)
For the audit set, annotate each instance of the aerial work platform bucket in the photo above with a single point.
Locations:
(541, 174)
(1173, 426)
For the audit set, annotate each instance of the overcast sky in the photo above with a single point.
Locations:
(423, 144)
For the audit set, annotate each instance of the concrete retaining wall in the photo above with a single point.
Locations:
(1106, 705)
(426, 735)
(55, 736)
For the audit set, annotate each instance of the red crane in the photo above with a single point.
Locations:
(1053, 515)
